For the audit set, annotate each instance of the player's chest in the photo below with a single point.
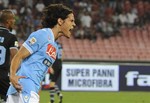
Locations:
(49, 50)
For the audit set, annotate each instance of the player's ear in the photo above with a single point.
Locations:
(7, 21)
(60, 21)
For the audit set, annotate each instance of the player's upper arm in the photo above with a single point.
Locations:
(34, 42)
(13, 44)
(13, 52)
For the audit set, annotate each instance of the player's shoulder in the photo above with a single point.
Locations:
(10, 37)
(45, 33)
(40, 32)
(42, 35)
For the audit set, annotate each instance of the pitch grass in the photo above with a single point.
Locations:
(99, 97)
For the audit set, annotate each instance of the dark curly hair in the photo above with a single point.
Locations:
(52, 12)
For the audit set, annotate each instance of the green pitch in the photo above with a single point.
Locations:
(99, 97)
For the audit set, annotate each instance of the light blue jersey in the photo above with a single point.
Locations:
(42, 47)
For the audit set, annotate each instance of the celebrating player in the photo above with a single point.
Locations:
(37, 54)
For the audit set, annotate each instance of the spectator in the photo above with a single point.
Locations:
(131, 19)
(1, 5)
(141, 17)
(123, 19)
(106, 28)
(80, 33)
(86, 19)
(147, 11)
(39, 6)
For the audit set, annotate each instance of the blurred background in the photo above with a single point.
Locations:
(107, 30)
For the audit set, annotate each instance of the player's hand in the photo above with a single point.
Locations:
(51, 70)
(14, 81)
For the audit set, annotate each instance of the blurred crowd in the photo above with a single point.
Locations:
(105, 18)
(94, 18)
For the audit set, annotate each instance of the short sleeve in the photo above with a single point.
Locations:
(13, 42)
(34, 42)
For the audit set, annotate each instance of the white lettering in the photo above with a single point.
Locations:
(133, 77)
(130, 76)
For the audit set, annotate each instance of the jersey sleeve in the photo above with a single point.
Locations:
(13, 42)
(34, 42)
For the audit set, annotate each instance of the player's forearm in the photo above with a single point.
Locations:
(16, 61)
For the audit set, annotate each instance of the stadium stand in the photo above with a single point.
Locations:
(92, 40)
(132, 45)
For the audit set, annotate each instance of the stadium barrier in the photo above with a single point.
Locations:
(81, 76)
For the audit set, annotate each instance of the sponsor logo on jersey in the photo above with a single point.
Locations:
(51, 51)
(47, 62)
(32, 41)
(1, 39)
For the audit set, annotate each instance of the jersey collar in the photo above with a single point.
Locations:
(4, 28)
(51, 33)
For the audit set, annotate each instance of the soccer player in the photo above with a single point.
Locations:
(57, 67)
(8, 48)
(37, 54)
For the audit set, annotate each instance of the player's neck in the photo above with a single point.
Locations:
(56, 32)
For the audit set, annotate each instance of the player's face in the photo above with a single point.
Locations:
(68, 25)
(11, 21)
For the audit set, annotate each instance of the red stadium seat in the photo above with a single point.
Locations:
(131, 45)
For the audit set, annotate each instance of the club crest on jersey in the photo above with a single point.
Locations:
(32, 41)
(51, 51)
(26, 98)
